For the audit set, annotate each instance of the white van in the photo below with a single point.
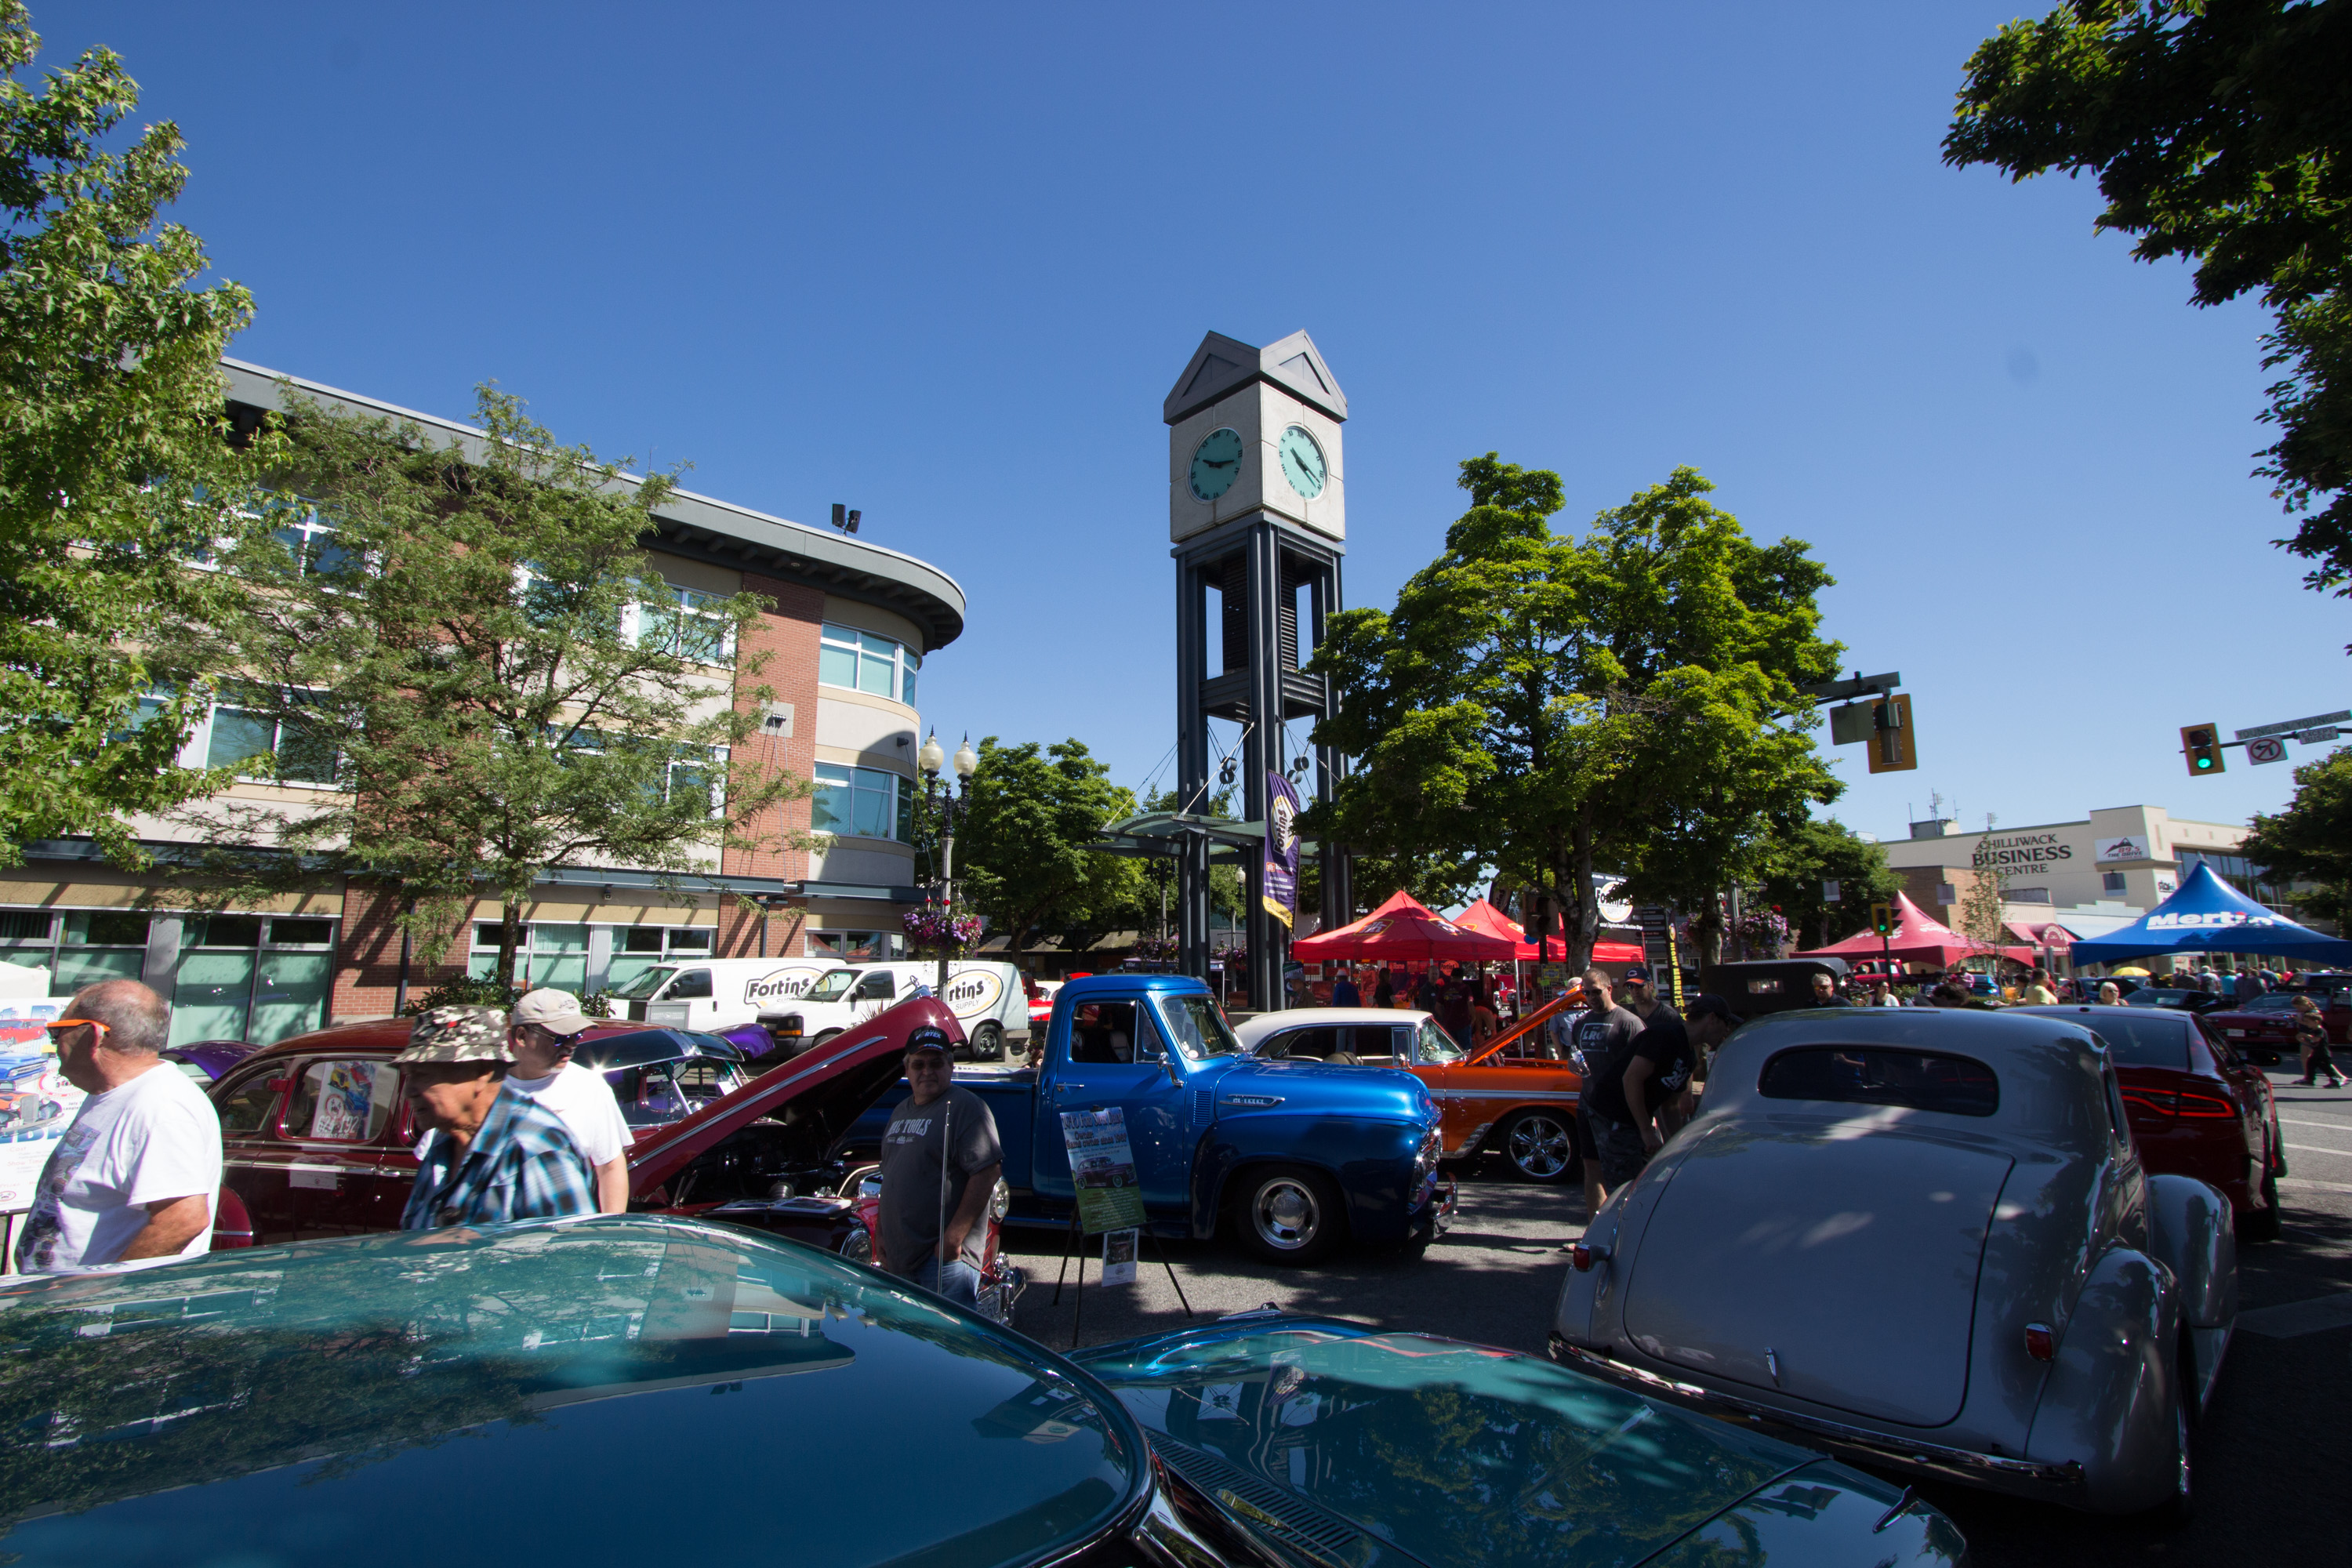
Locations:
(988, 1000)
(712, 994)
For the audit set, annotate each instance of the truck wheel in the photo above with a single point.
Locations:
(1288, 1213)
(1539, 1144)
(825, 1038)
(988, 1043)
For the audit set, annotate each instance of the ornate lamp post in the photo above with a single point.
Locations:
(950, 808)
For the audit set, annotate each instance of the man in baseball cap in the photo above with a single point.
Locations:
(545, 1027)
(940, 1159)
(494, 1154)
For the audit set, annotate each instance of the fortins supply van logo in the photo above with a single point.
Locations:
(973, 993)
(780, 985)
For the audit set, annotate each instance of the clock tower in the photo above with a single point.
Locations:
(1257, 511)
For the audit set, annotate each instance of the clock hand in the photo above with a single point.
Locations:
(1228, 463)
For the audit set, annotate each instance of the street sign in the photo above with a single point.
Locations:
(1851, 722)
(1830, 892)
(2291, 725)
(2318, 737)
(2268, 749)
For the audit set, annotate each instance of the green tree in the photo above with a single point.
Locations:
(2311, 840)
(1802, 855)
(2221, 131)
(469, 639)
(1550, 707)
(1025, 851)
(115, 462)
(1983, 908)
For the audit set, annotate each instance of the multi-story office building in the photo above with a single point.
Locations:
(851, 625)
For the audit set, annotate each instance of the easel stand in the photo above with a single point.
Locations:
(1073, 1241)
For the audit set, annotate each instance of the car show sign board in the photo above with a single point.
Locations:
(1120, 1248)
(1102, 1170)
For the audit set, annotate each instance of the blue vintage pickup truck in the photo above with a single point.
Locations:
(1291, 1158)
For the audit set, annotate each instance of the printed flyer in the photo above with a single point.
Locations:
(36, 1103)
(1118, 1257)
(1102, 1167)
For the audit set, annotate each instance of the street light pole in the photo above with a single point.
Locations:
(930, 759)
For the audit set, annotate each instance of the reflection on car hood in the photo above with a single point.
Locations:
(1355, 1090)
(1451, 1452)
(295, 1405)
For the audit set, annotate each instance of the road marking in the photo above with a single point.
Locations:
(2315, 1148)
(2297, 1318)
(2317, 1185)
(2306, 1122)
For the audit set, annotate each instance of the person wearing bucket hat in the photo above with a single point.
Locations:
(494, 1154)
(940, 1159)
(546, 1025)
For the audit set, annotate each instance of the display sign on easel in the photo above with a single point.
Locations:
(1102, 1169)
(1118, 1257)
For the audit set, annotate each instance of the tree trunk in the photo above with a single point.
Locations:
(1588, 908)
(509, 939)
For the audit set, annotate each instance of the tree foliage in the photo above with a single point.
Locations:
(1801, 857)
(1555, 706)
(2221, 131)
(2311, 840)
(483, 661)
(115, 462)
(1025, 852)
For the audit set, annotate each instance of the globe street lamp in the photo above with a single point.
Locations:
(949, 809)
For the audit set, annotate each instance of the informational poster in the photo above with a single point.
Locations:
(1118, 1257)
(1102, 1168)
(353, 1101)
(36, 1103)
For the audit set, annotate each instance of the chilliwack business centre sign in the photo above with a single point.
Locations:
(2020, 850)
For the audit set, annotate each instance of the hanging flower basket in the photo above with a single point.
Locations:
(1766, 930)
(933, 927)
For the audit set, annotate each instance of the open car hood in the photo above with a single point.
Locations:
(817, 1096)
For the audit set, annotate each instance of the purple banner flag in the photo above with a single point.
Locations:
(1278, 883)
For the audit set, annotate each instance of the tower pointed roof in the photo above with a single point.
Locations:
(1222, 366)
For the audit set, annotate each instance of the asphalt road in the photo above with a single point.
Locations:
(2273, 1457)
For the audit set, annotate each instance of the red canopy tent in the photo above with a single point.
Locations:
(1919, 938)
(1404, 929)
(1483, 916)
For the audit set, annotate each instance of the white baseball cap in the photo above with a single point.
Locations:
(557, 1012)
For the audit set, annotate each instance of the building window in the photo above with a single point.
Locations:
(252, 977)
(77, 947)
(310, 541)
(864, 803)
(2111, 882)
(2028, 894)
(863, 661)
(858, 946)
(239, 738)
(692, 772)
(683, 621)
(548, 954)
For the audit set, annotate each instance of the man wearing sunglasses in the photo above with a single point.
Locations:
(132, 1180)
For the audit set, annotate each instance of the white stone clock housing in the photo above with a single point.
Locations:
(1284, 411)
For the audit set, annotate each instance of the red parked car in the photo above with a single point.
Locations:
(2264, 1029)
(318, 1138)
(2198, 1106)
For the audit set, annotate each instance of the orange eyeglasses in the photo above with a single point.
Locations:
(75, 1023)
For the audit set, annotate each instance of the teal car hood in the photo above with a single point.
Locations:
(1449, 1452)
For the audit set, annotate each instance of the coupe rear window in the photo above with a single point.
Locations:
(1873, 1075)
(2151, 1042)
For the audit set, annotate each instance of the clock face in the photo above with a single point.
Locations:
(1216, 463)
(1302, 462)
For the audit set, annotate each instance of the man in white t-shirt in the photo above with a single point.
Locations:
(546, 1025)
(134, 1178)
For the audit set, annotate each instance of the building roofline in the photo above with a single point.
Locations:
(705, 528)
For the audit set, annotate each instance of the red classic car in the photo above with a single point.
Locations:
(2197, 1106)
(318, 1138)
(2264, 1029)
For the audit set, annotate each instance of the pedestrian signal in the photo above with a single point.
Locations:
(1892, 748)
(2202, 743)
(1882, 919)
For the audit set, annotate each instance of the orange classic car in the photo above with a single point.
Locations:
(1520, 1107)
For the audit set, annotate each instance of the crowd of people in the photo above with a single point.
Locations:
(1469, 1003)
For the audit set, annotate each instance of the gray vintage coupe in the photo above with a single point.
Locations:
(1921, 1239)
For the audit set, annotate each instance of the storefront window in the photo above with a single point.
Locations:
(548, 956)
(252, 977)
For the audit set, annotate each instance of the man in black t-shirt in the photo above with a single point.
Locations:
(1604, 1036)
(1625, 1135)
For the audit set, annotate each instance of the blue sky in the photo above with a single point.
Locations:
(941, 263)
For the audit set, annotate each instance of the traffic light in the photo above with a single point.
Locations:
(2202, 743)
(1882, 919)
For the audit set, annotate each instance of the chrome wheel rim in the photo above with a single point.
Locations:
(1539, 1146)
(1287, 1213)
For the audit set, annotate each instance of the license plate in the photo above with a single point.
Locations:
(2237, 1034)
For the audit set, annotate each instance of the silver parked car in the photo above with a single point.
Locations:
(1921, 1238)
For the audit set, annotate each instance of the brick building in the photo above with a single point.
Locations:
(850, 626)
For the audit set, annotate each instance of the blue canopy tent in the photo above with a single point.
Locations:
(2208, 915)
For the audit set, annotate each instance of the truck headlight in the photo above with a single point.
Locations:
(1424, 1160)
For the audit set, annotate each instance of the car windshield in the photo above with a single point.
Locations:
(1197, 1027)
(831, 987)
(1437, 1047)
(2144, 997)
(2272, 1002)
(645, 984)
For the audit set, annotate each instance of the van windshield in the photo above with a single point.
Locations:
(830, 987)
(645, 985)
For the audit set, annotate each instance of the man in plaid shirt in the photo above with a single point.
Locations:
(494, 1154)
